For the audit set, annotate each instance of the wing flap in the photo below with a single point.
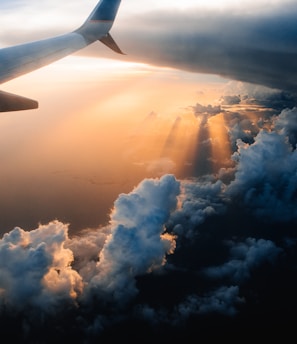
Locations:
(13, 102)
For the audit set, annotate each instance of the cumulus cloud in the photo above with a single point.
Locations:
(265, 178)
(198, 201)
(222, 300)
(245, 256)
(175, 252)
(138, 243)
(286, 123)
(35, 268)
(44, 269)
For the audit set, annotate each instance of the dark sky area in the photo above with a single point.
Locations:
(207, 253)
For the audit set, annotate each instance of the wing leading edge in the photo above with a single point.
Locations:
(24, 58)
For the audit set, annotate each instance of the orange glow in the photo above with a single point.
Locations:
(180, 139)
(102, 127)
(220, 143)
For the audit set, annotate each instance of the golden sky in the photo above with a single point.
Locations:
(101, 127)
(102, 124)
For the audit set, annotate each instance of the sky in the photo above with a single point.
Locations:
(152, 195)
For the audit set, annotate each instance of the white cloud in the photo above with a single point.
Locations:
(38, 267)
(138, 243)
(35, 268)
(265, 178)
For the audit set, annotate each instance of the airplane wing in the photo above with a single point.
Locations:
(24, 58)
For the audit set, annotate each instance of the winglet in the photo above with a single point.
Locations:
(99, 23)
(106, 10)
(109, 42)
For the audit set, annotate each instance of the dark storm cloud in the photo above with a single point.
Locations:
(253, 47)
(230, 100)
(245, 256)
(264, 97)
(221, 301)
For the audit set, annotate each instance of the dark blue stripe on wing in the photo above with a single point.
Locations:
(106, 10)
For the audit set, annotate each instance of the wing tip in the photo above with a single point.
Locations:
(13, 102)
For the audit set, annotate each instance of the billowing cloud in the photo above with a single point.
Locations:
(222, 301)
(245, 256)
(173, 237)
(265, 178)
(138, 243)
(35, 269)
(286, 124)
(44, 271)
(199, 200)
(252, 46)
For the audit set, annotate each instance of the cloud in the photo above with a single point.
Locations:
(252, 46)
(250, 94)
(47, 19)
(43, 271)
(246, 256)
(206, 110)
(286, 123)
(138, 243)
(265, 177)
(222, 301)
(177, 256)
(198, 201)
(38, 262)
(259, 48)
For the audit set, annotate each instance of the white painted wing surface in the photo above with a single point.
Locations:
(24, 58)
